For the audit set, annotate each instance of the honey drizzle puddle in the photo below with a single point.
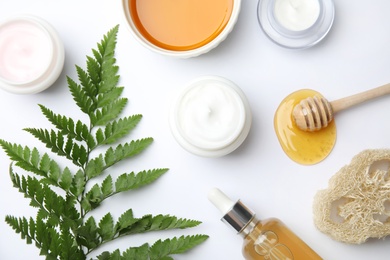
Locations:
(302, 147)
(180, 25)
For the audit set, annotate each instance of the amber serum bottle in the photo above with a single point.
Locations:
(266, 239)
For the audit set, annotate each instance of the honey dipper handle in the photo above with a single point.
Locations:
(347, 102)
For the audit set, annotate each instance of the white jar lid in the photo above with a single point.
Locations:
(210, 117)
(31, 54)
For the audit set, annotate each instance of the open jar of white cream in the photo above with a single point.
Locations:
(31, 54)
(296, 24)
(210, 117)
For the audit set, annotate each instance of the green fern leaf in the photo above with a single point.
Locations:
(55, 141)
(65, 181)
(87, 234)
(107, 187)
(106, 227)
(24, 157)
(94, 69)
(108, 113)
(179, 245)
(123, 151)
(67, 126)
(109, 97)
(95, 167)
(118, 129)
(139, 253)
(78, 183)
(132, 181)
(86, 82)
(83, 101)
(22, 226)
(61, 229)
(69, 249)
(94, 197)
(125, 220)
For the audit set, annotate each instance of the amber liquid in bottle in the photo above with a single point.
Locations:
(266, 239)
(270, 239)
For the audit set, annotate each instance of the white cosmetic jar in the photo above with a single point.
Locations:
(296, 24)
(32, 54)
(210, 117)
(154, 40)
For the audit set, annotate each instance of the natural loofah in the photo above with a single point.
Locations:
(356, 205)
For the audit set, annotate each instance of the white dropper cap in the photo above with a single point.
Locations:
(220, 200)
(235, 214)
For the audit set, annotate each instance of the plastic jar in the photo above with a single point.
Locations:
(296, 24)
(210, 117)
(31, 54)
(181, 28)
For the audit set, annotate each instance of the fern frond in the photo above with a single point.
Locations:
(80, 96)
(87, 234)
(111, 111)
(94, 197)
(61, 145)
(87, 83)
(109, 76)
(24, 157)
(78, 183)
(47, 239)
(60, 230)
(68, 245)
(67, 126)
(97, 165)
(106, 228)
(150, 223)
(25, 227)
(132, 253)
(117, 129)
(30, 160)
(161, 249)
(109, 97)
(127, 150)
(94, 70)
(133, 181)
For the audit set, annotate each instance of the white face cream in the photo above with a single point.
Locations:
(297, 15)
(25, 51)
(296, 24)
(31, 54)
(210, 117)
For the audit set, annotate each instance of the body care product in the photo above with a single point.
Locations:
(296, 24)
(31, 54)
(181, 28)
(263, 239)
(210, 117)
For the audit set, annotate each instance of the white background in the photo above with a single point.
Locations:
(355, 56)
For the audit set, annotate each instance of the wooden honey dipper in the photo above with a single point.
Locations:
(315, 113)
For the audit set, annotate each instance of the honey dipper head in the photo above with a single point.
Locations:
(312, 114)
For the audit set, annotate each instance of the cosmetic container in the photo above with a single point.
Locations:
(296, 24)
(210, 117)
(267, 239)
(31, 54)
(181, 29)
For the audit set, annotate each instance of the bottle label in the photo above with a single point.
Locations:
(268, 246)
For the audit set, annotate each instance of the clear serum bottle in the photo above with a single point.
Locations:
(267, 239)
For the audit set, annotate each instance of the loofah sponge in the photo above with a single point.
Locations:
(356, 205)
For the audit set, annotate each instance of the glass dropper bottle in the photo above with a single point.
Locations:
(266, 239)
